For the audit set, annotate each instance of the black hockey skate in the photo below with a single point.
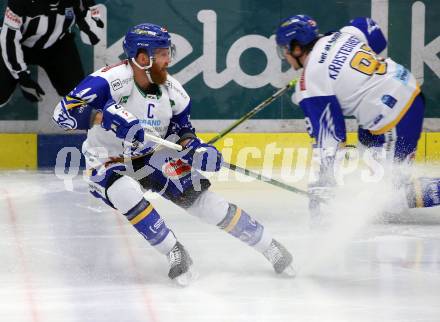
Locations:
(280, 258)
(180, 263)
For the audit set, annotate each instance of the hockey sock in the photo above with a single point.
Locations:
(148, 222)
(424, 192)
(242, 226)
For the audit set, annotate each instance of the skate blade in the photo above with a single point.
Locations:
(186, 278)
(289, 271)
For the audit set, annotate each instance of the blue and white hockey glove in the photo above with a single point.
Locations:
(124, 124)
(202, 156)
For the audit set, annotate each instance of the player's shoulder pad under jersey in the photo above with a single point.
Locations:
(368, 31)
(179, 97)
(119, 78)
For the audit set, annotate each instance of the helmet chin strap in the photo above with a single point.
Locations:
(145, 68)
(149, 76)
(298, 62)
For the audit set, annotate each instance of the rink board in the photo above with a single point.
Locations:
(18, 151)
(32, 151)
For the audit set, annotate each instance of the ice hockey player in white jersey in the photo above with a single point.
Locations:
(118, 105)
(344, 76)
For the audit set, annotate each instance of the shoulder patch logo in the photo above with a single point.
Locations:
(116, 84)
(123, 100)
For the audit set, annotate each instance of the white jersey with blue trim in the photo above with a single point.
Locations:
(165, 112)
(343, 73)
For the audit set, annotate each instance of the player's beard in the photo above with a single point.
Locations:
(158, 75)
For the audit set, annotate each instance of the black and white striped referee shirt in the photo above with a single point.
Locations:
(38, 24)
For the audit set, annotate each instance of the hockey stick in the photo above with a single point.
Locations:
(163, 142)
(254, 111)
(248, 115)
(260, 177)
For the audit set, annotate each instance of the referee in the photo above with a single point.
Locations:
(39, 32)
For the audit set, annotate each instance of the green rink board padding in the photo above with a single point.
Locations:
(227, 75)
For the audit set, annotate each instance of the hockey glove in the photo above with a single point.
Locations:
(30, 88)
(124, 124)
(95, 13)
(96, 17)
(202, 156)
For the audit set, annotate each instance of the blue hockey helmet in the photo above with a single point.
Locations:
(149, 37)
(301, 28)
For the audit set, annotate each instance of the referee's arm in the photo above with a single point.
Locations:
(10, 38)
(80, 13)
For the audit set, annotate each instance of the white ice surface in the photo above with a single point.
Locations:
(65, 257)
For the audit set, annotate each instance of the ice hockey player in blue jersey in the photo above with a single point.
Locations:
(342, 75)
(118, 105)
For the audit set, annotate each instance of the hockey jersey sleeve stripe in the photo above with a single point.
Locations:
(324, 120)
(73, 102)
(402, 113)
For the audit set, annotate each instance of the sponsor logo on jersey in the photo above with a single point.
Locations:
(123, 99)
(330, 43)
(402, 74)
(388, 100)
(323, 57)
(176, 169)
(158, 224)
(145, 122)
(377, 119)
(116, 84)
